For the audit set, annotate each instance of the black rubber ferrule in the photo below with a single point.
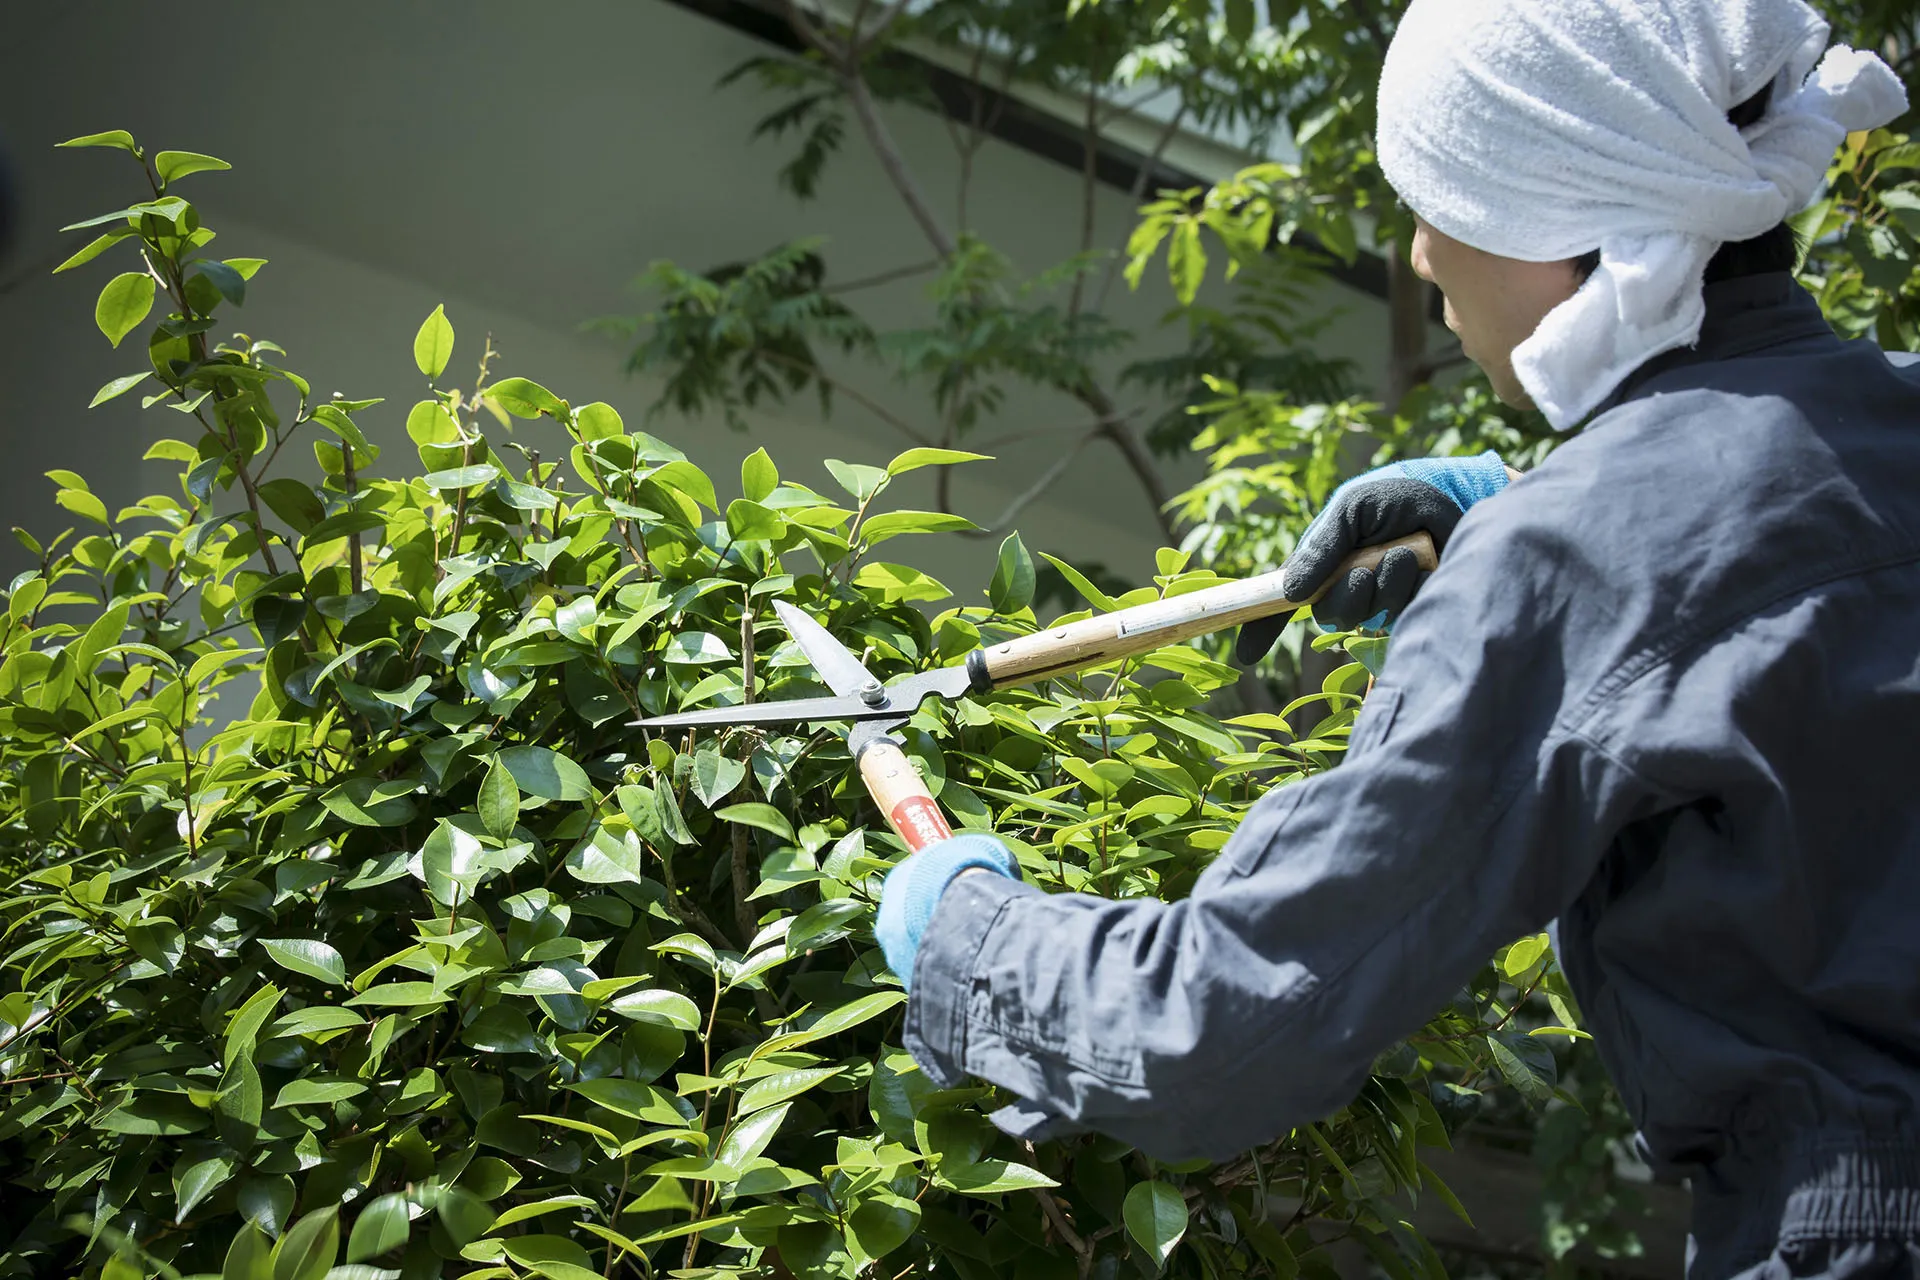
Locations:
(977, 672)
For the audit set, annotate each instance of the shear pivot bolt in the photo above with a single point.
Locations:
(872, 693)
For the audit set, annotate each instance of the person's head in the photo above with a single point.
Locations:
(1493, 304)
(1576, 164)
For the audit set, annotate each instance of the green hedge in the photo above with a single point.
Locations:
(423, 963)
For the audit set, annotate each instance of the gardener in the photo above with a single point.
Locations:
(1665, 689)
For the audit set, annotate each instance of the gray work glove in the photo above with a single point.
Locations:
(1388, 502)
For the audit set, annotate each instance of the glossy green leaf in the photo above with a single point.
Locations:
(763, 816)
(1156, 1217)
(993, 1177)
(461, 477)
(555, 1257)
(606, 857)
(598, 421)
(499, 800)
(452, 863)
(244, 1029)
(749, 521)
(1013, 577)
(95, 247)
(783, 1086)
(899, 583)
(380, 1228)
(914, 459)
(539, 1208)
(433, 344)
(249, 1256)
(697, 648)
(892, 524)
(1526, 1063)
(692, 946)
(545, 774)
(111, 138)
(635, 1100)
(668, 818)
(266, 1202)
(524, 399)
(881, 1223)
(307, 956)
(230, 283)
(171, 165)
(669, 1008)
(195, 1181)
(400, 995)
(751, 1135)
(465, 1216)
(310, 1247)
(123, 304)
(715, 776)
(429, 422)
(1523, 955)
(294, 502)
(502, 1029)
(858, 480)
(758, 476)
(314, 1092)
(116, 387)
(834, 1021)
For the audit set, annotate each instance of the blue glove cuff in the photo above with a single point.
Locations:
(913, 888)
(1464, 480)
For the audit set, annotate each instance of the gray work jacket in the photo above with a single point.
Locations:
(1665, 688)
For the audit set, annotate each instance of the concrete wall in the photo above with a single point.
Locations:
(519, 163)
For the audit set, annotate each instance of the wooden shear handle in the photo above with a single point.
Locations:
(1107, 637)
(896, 786)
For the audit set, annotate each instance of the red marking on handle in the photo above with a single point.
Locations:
(919, 822)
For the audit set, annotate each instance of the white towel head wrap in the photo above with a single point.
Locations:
(1544, 129)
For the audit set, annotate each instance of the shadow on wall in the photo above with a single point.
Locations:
(9, 208)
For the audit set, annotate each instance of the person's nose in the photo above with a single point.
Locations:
(1417, 252)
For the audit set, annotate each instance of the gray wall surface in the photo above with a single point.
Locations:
(521, 164)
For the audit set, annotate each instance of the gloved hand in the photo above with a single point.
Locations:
(1383, 504)
(913, 888)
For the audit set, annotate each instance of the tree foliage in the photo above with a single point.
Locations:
(351, 932)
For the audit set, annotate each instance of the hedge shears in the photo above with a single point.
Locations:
(876, 709)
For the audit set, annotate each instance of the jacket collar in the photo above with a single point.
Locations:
(1744, 315)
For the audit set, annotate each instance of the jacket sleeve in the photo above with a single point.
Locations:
(1345, 910)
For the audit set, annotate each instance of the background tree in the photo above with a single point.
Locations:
(1296, 77)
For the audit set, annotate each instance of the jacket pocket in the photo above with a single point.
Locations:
(1375, 720)
(1260, 829)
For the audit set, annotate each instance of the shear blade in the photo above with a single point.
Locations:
(789, 712)
(901, 701)
(836, 664)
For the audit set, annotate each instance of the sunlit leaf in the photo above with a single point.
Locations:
(545, 773)
(1156, 1216)
(307, 956)
(123, 304)
(178, 164)
(433, 344)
